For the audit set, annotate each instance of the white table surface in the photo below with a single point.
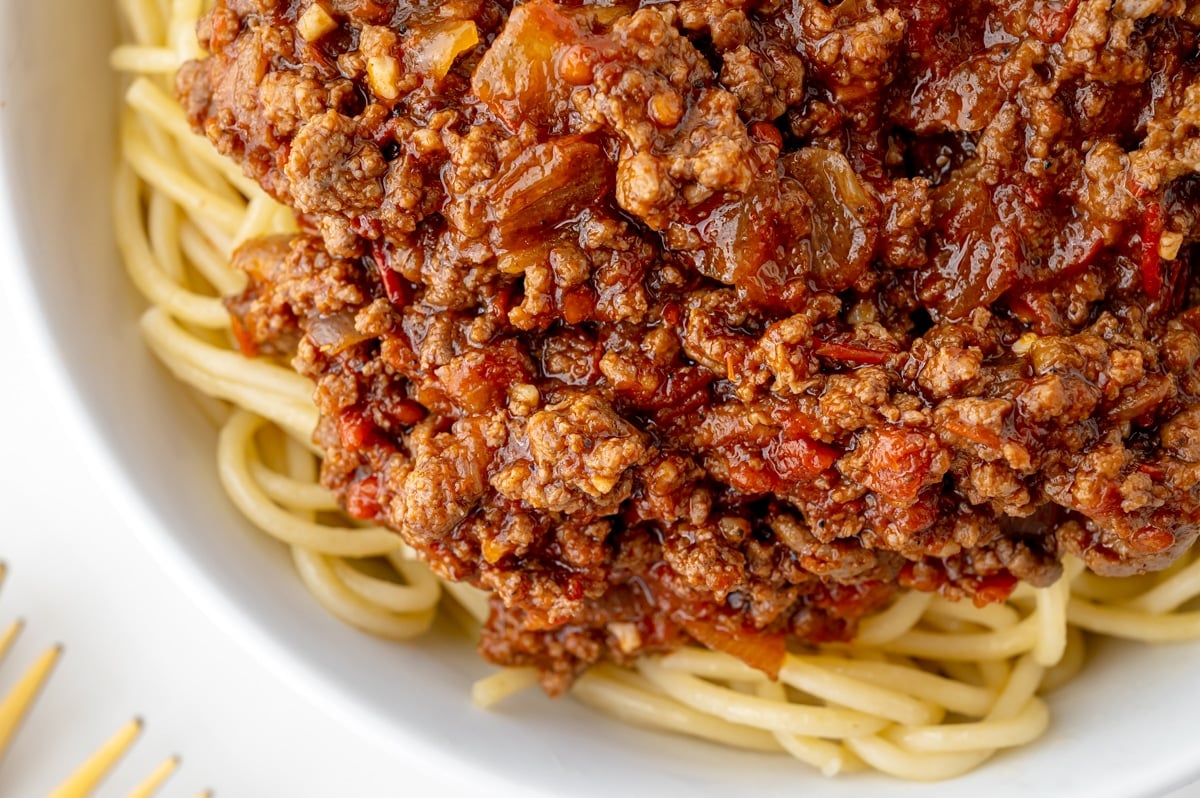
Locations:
(135, 645)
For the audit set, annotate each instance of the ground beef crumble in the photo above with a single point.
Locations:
(723, 320)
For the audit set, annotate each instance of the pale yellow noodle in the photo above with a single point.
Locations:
(1052, 622)
(144, 60)
(750, 710)
(163, 225)
(897, 619)
(1024, 727)
(995, 645)
(343, 603)
(292, 493)
(493, 689)
(828, 757)
(895, 761)
(294, 530)
(955, 696)
(643, 708)
(1071, 663)
(421, 592)
(1134, 624)
(145, 271)
(1174, 591)
(209, 262)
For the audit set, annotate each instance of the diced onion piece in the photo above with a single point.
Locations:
(383, 73)
(438, 46)
(315, 23)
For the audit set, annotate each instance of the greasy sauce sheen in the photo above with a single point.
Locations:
(724, 320)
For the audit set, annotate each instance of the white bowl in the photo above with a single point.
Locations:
(1126, 728)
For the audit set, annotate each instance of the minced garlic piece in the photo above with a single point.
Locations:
(1169, 244)
(1024, 343)
(315, 23)
(629, 639)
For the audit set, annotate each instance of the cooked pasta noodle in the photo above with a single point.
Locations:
(930, 689)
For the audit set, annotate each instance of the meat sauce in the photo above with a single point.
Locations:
(724, 320)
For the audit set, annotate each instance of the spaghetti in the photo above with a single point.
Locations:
(929, 690)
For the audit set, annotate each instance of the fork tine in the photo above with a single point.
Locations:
(92, 772)
(20, 698)
(155, 780)
(9, 636)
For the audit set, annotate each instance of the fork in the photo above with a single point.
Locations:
(18, 702)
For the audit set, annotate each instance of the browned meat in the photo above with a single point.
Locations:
(722, 319)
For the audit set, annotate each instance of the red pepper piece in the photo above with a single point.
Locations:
(994, 589)
(851, 353)
(800, 458)
(362, 498)
(355, 429)
(976, 434)
(245, 343)
(1152, 228)
(394, 286)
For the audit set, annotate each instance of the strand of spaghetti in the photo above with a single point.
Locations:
(192, 195)
(1132, 624)
(1168, 595)
(280, 383)
(995, 645)
(1069, 666)
(144, 21)
(472, 599)
(1024, 727)
(260, 214)
(995, 672)
(157, 106)
(632, 679)
(232, 443)
(993, 616)
(162, 225)
(491, 690)
(954, 695)
(812, 678)
(965, 672)
(293, 493)
(181, 32)
(1052, 622)
(931, 622)
(852, 693)
(897, 619)
(894, 760)
(189, 161)
(210, 263)
(140, 264)
(753, 711)
(827, 757)
(641, 708)
(342, 603)
(385, 618)
(143, 59)
(1090, 587)
(421, 592)
(1022, 683)
(296, 419)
